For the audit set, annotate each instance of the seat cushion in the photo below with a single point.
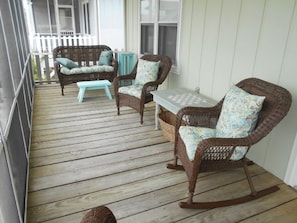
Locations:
(133, 90)
(147, 71)
(67, 62)
(85, 70)
(192, 136)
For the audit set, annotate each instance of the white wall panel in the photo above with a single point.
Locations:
(113, 25)
(226, 46)
(276, 26)
(132, 26)
(210, 45)
(196, 43)
(288, 79)
(185, 41)
(273, 38)
(250, 21)
(225, 41)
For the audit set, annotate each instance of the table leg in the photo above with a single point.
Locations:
(107, 92)
(81, 94)
(157, 110)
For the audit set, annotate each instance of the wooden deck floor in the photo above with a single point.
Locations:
(83, 155)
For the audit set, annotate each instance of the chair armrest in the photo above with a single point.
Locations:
(117, 80)
(57, 67)
(126, 77)
(148, 87)
(115, 64)
(198, 116)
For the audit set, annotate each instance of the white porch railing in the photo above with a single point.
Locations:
(44, 43)
(42, 59)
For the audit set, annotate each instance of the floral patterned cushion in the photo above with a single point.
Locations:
(238, 117)
(146, 71)
(90, 69)
(134, 90)
(192, 136)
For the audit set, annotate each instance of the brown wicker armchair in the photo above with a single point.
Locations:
(123, 99)
(214, 154)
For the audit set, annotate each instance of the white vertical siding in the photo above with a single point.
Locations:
(227, 38)
(250, 22)
(209, 47)
(113, 25)
(225, 41)
(132, 26)
(276, 25)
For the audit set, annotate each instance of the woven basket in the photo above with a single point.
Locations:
(167, 122)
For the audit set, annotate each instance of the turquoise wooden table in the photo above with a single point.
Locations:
(93, 85)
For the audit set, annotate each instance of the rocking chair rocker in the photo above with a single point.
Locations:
(219, 146)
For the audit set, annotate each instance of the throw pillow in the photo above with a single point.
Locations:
(67, 62)
(239, 113)
(105, 57)
(238, 117)
(146, 71)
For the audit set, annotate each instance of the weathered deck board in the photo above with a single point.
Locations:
(83, 155)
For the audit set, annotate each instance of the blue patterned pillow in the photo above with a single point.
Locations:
(146, 71)
(239, 116)
(67, 62)
(105, 57)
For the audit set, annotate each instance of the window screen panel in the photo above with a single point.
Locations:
(6, 87)
(167, 40)
(147, 39)
(8, 209)
(18, 159)
(147, 10)
(168, 10)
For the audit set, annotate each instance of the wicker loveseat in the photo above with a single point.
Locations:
(81, 63)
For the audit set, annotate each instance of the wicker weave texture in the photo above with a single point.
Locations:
(167, 122)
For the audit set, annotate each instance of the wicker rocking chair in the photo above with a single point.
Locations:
(126, 81)
(213, 153)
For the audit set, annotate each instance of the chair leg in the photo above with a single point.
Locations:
(141, 113)
(174, 165)
(248, 176)
(141, 119)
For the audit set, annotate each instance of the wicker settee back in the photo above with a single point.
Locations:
(84, 55)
